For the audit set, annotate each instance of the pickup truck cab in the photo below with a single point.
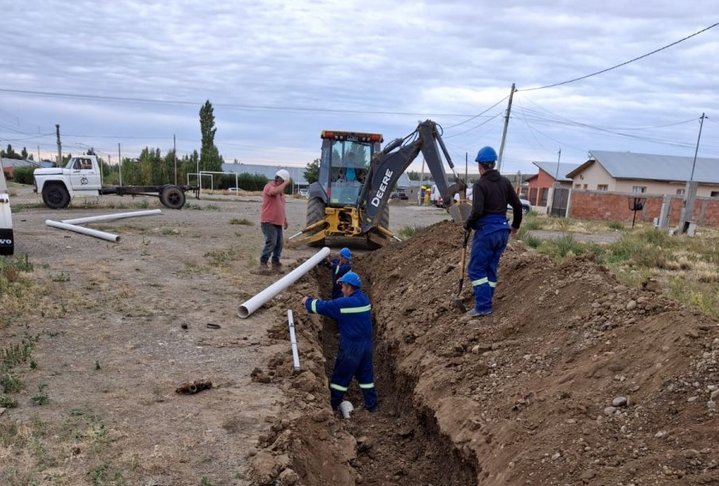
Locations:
(82, 177)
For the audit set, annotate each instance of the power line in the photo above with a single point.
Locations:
(222, 105)
(622, 64)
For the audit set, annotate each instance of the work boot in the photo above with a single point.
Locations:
(476, 313)
(277, 267)
(263, 269)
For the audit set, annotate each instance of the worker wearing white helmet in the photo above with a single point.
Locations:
(273, 220)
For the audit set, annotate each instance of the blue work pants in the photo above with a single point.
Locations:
(354, 359)
(487, 248)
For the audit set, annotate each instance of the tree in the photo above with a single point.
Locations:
(312, 171)
(24, 153)
(210, 158)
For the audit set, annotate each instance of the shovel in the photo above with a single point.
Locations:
(457, 300)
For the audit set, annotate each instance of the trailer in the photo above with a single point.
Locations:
(82, 177)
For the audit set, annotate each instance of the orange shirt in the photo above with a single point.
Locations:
(273, 206)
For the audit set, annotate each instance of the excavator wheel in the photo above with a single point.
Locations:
(315, 213)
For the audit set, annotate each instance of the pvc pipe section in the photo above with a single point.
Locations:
(85, 231)
(250, 306)
(110, 217)
(293, 341)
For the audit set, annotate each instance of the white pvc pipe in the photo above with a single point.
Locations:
(85, 231)
(110, 217)
(250, 306)
(293, 341)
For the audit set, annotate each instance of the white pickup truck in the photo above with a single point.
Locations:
(7, 242)
(82, 176)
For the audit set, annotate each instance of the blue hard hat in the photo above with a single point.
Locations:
(351, 278)
(486, 155)
(346, 253)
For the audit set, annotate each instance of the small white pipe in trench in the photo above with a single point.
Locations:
(293, 341)
(110, 217)
(85, 231)
(250, 306)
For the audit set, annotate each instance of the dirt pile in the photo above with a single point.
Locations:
(574, 379)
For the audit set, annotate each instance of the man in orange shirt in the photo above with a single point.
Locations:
(273, 220)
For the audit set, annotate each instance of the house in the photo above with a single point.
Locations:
(610, 185)
(629, 172)
(540, 184)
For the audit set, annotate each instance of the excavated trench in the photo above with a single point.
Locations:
(522, 397)
(400, 444)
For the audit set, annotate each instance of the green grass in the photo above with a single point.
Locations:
(615, 225)
(687, 267)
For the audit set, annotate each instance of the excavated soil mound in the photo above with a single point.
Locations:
(575, 379)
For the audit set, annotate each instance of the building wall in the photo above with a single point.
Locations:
(614, 206)
(592, 177)
(539, 189)
(655, 187)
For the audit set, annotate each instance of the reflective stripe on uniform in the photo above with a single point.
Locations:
(365, 386)
(335, 386)
(355, 310)
(313, 306)
(337, 269)
(482, 281)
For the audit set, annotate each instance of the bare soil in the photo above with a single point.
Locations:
(520, 397)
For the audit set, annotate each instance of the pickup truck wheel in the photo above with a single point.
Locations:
(315, 213)
(172, 197)
(55, 196)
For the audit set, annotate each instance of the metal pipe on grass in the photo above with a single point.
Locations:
(111, 217)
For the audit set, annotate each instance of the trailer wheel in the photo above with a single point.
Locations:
(55, 196)
(315, 213)
(172, 197)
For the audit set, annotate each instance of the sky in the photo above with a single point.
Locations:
(123, 75)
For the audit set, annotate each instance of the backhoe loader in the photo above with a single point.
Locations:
(356, 179)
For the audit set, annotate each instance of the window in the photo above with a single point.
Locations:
(602, 187)
(714, 194)
(577, 186)
(586, 186)
(639, 189)
(680, 192)
(543, 196)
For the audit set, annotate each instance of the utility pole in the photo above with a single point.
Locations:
(504, 131)
(556, 180)
(119, 158)
(59, 145)
(38, 154)
(174, 154)
(690, 192)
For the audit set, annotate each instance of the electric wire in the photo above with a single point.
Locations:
(623, 63)
(477, 116)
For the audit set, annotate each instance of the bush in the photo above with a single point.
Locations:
(23, 175)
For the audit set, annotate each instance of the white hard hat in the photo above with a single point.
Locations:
(283, 174)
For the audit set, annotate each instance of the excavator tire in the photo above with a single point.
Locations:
(315, 213)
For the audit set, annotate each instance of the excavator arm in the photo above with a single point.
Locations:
(388, 165)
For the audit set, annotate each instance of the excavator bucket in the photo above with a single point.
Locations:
(460, 211)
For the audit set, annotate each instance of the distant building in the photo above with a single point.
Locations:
(541, 183)
(296, 173)
(645, 173)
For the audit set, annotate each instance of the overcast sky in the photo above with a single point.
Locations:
(135, 73)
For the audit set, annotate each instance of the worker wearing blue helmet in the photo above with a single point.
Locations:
(490, 197)
(338, 267)
(353, 313)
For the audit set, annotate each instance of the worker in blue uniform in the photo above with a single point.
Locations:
(338, 267)
(353, 313)
(490, 197)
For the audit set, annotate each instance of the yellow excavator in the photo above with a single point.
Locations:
(356, 178)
